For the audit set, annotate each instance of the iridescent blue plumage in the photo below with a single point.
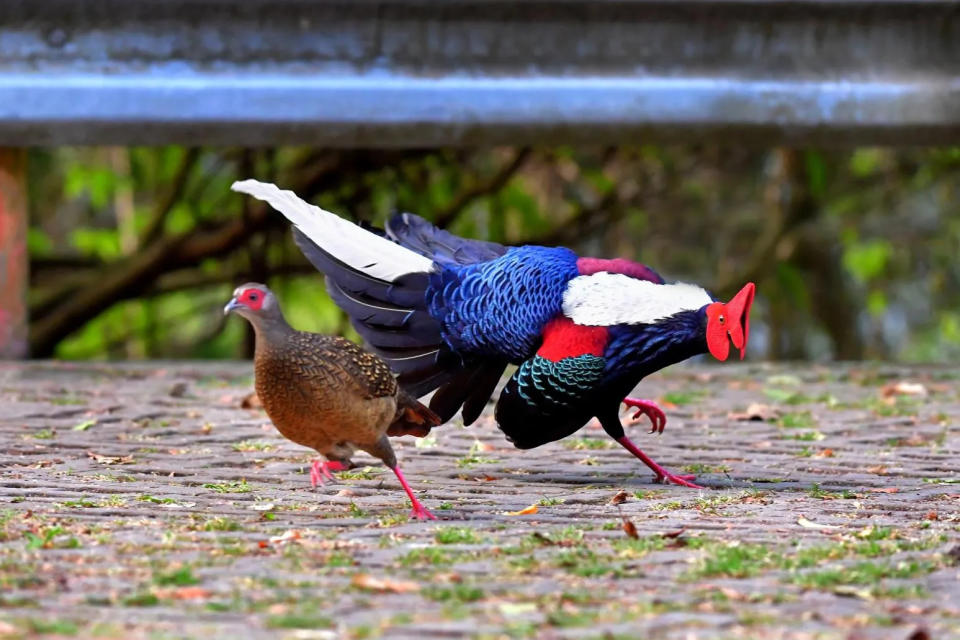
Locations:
(499, 307)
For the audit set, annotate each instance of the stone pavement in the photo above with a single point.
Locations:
(144, 501)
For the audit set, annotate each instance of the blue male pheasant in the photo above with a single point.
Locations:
(449, 314)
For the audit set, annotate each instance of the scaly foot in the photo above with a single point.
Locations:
(651, 410)
(320, 470)
(419, 511)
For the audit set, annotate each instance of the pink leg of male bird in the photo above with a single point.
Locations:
(650, 409)
(320, 470)
(419, 511)
(662, 474)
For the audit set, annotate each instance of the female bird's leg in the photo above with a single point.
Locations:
(419, 511)
(650, 409)
(611, 424)
(320, 470)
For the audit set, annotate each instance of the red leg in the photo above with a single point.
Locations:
(320, 470)
(419, 511)
(662, 474)
(650, 409)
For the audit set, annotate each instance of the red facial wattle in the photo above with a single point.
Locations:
(252, 298)
(730, 322)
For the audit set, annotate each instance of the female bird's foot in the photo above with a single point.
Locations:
(320, 470)
(650, 409)
(419, 511)
(662, 474)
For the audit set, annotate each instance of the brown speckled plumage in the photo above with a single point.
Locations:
(325, 392)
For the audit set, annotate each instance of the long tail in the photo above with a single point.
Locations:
(380, 284)
(380, 279)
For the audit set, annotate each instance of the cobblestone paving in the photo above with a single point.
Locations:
(146, 502)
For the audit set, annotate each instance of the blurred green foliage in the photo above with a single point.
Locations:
(854, 252)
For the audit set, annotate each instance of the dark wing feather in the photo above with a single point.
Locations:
(416, 234)
(483, 384)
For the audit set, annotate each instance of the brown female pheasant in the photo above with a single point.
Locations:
(326, 393)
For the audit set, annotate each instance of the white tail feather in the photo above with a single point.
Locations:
(345, 241)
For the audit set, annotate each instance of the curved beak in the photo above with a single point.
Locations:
(233, 304)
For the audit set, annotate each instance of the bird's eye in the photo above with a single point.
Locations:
(721, 319)
(253, 296)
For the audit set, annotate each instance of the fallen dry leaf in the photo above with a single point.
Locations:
(7, 629)
(903, 388)
(807, 524)
(371, 583)
(619, 497)
(284, 538)
(630, 529)
(825, 453)
(183, 593)
(523, 512)
(879, 470)
(853, 591)
(932, 515)
(251, 401)
(884, 490)
(110, 459)
(755, 411)
(673, 534)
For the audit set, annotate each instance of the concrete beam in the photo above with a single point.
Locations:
(389, 73)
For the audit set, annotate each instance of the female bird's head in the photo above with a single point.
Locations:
(254, 302)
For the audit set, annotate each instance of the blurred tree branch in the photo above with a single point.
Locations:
(164, 205)
(445, 217)
(80, 298)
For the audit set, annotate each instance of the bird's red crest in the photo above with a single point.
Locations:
(252, 298)
(730, 322)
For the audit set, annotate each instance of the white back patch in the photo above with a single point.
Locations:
(605, 299)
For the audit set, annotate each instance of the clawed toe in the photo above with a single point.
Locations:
(682, 480)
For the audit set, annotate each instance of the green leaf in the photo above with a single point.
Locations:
(877, 303)
(103, 243)
(816, 173)
(867, 260)
(38, 242)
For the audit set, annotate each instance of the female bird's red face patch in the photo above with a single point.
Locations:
(730, 322)
(252, 298)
